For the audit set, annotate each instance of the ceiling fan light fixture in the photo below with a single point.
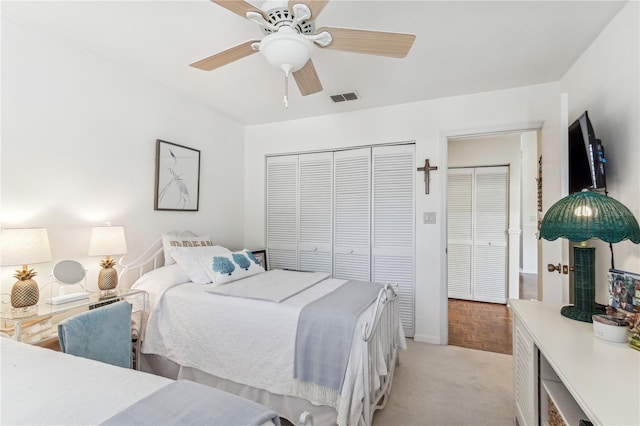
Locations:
(286, 50)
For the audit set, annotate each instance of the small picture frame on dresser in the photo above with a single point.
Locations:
(261, 256)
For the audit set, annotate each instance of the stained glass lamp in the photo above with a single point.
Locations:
(580, 217)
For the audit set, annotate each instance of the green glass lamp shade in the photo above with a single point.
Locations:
(580, 217)
(586, 215)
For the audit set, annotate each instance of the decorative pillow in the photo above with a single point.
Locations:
(174, 237)
(226, 268)
(188, 257)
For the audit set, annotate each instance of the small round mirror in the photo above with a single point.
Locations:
(68, 272)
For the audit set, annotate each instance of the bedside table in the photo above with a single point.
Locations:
(41, 328)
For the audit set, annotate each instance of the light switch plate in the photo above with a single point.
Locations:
(429, 218)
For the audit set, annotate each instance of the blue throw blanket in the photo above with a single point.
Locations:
(103, 334)
(324, 336)
(190, 403)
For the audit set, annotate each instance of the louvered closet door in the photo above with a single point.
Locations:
(316, 211)
(460, 232)
(282, 212)
(352, 189)
(393, 220)
(490, 239)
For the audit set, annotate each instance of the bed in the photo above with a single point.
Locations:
(247, 344)
(41, 386)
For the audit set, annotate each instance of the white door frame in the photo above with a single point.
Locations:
(444, 154)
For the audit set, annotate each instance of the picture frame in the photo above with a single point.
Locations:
(177, 182)
(261, 256)
(624, 291)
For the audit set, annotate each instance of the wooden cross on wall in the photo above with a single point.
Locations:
(426, 169)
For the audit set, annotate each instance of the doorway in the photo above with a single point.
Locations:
(519, 150)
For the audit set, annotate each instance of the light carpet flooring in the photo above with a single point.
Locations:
(449, 385)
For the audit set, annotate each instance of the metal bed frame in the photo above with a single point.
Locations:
(382, 326)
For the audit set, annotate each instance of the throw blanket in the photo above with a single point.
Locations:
(323, 340)
(276, 285)
(101, 334)
(189, 403)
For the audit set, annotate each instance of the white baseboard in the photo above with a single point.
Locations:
(427, 339)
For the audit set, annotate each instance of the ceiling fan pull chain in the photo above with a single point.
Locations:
(286, 90)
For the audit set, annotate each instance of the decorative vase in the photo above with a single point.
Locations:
(24, 293)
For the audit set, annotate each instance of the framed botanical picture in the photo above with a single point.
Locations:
(261, 256)
(177, 177)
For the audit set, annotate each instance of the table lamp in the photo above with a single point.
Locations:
(107, 241)
(580, 217)
(24, 246)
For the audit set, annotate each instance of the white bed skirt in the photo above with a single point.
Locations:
(289, 407)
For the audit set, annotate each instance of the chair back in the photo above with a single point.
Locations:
(102, 334)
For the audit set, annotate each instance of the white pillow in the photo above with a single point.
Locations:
(229, 267)
(176, 238)
(188, 257)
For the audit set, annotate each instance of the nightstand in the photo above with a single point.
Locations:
(41, 328)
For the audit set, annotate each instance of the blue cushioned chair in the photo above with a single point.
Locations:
(103, 334)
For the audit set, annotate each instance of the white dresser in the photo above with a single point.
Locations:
(585, 377)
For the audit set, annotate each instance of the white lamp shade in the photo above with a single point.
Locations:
(24, 246)
(107, 241)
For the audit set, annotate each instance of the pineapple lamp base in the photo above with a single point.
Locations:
(107, 278)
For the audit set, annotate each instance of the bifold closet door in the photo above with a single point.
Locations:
(491, 234)
(352, 214)
(477, 222)
(393, 224)
(460, 232)
(282, 212)
(316, 212)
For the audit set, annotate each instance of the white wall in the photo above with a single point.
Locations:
(605, 81)
(497, 150)
(78, 149)
(428, 123)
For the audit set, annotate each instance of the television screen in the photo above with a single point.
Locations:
(586, 157)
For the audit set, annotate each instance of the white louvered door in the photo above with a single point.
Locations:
(477, 222)
(350, 213)
(460, 232)
(282, 212)
(316, 212)
(490, 236)
(352, 218)
(393, 224)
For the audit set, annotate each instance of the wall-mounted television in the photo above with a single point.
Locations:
(586, 157)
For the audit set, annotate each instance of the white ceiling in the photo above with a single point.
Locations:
(461, 47)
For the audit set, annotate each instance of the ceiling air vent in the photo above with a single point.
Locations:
(351, 96)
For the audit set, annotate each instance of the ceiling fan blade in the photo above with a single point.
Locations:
(225, 57)
(307, 79)
(239, 7)
(315, 6)
(395, 45)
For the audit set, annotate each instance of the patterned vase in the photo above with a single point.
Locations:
(24, 293)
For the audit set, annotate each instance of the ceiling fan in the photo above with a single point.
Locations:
(290, 35)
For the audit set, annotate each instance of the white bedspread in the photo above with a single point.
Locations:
(247, 341)
(45, 387)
